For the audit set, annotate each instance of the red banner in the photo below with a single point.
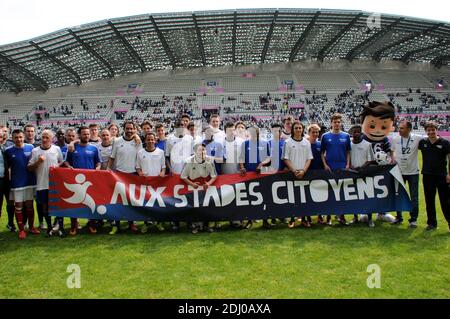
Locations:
(117, 196)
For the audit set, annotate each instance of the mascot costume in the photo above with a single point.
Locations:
(377, 120)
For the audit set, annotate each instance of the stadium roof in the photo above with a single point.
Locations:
(110, 48)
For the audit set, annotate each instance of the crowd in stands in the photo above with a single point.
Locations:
(317, 108)
(442, 121)
(424, 101)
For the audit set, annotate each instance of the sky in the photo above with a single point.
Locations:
(26, 19)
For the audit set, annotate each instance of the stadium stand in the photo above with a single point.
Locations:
(255, 64)
(261, 99)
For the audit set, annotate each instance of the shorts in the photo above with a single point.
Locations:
(21, 195)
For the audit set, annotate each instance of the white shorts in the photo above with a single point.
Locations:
(22, 195)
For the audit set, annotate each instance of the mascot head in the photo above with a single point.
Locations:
(377, 120)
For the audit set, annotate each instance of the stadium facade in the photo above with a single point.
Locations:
(183, 41)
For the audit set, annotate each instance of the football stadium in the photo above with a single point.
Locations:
(96, 112)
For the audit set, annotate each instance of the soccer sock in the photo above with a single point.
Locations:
(19, 218)
(10, 210)
(30, 216)
(60, 221)
(73, 223)
(48, 220)
(40, 213)
(25, 218)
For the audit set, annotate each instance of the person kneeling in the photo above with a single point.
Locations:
(199, 173)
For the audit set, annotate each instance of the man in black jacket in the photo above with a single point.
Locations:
(435, 154)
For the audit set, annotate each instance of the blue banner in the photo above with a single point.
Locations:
(117, 196)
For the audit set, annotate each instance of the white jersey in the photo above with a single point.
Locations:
(178, 149)
(361, 153)
(104, 153)
(285, 136)
(298, 152)
(232, 153)
(406, 152)
(53, 157)
(124, 154)
(242, 135)
(218, 135)
(196, 140)
(95, 143)
(193, 169)
(151, 163)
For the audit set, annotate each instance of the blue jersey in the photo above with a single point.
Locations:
(276, 154)
(83, 157)
(336, 147)
(379, 146)
(161, 145)
(18, 158)
(215, 149)
(255, 152)
(316, 149)
(63, 151)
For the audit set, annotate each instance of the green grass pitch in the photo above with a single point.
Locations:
(320, 262)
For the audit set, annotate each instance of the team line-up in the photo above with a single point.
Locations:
(147, 150)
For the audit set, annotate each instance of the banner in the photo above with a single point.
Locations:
(118, 196)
